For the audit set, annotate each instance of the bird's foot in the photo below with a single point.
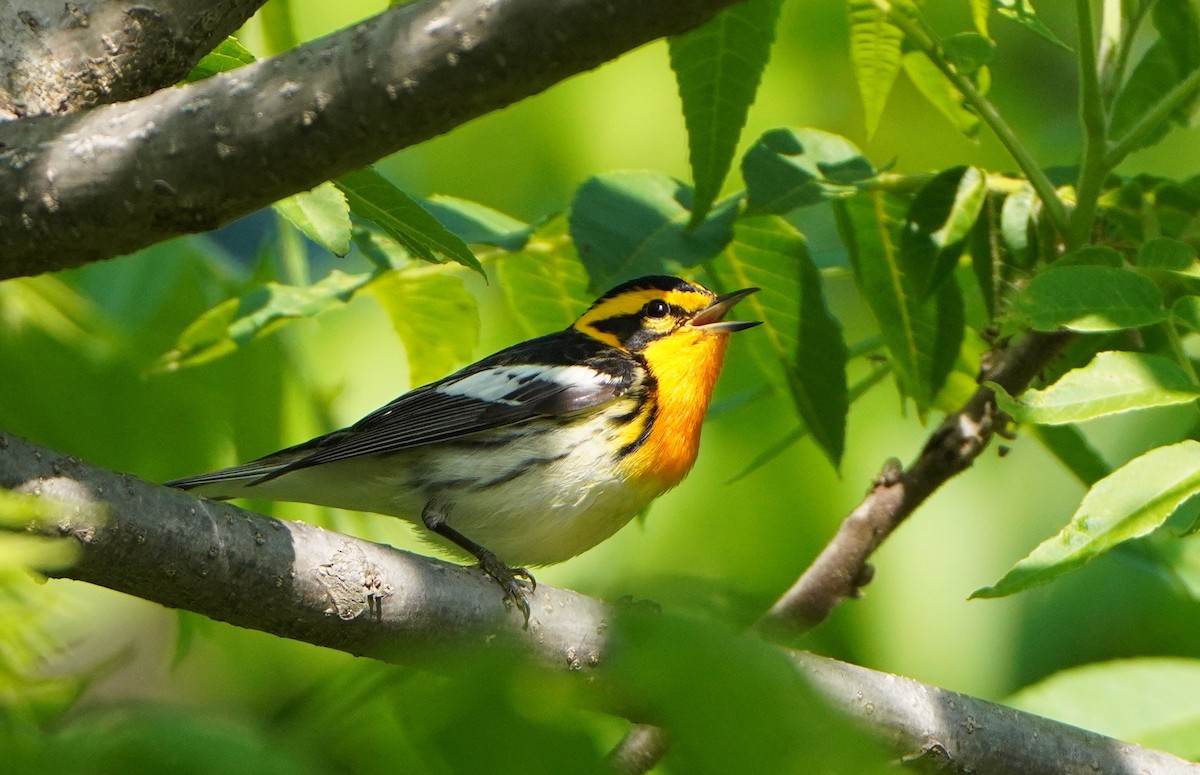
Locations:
(510, 581)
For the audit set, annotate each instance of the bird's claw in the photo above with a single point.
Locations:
(509, 580)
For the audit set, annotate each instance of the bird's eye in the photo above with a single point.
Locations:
(656, 308)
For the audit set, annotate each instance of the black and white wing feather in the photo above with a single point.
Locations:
(554, 375)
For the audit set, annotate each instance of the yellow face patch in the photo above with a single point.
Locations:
(633, 303)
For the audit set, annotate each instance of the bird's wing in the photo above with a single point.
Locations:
(509, 387)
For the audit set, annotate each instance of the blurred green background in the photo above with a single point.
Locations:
(79, 384)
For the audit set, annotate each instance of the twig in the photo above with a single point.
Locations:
(841, 568)
(1093, 168)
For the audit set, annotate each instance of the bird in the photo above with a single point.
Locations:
(531, 455)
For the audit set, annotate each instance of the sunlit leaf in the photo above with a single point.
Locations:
(236, 322)
(980, 10)
(322, 215)
(875, 54)
(478, 224)
(628, 224)
(1132, 501)
(1021, 11)
(375, 198)
(939, 219)
(546, 285)
(923, 335)
(791, 168)
(1088, 298)
(1149, 701)
(767, 252)
(228, 55)
(718, 67)
(1112, 383)
(436, 317)
(940, 92)
(1016, 217)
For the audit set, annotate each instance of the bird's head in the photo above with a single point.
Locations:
(637, 314)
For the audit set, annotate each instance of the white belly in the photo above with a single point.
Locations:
(540, 499)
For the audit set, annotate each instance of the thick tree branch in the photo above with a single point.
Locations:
(117, 178)
(841, 568)
(337, 591)
(58, 57)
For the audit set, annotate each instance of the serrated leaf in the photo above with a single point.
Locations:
(228, 55)
(1113, 382)
(875, 55)
(478, 224)
(937, 89)
(791, 168)
(322, 215)
(718, 67)
(236, 322)
(806, 340)
(1088, 298)
(1067, 444)
(628, 224)
(373, 197)
(939, 219)
(1149, 701)
(545, 282)
(922, 334)
(1132, 501)
(1021, 11)
(435, 316)
(987, 258)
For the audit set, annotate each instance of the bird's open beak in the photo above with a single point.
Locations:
(711, 318)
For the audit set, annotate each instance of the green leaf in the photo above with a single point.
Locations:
(939, 219)
(987, 258)
(1088, 298)
(1112, 383)
(1132, 501)
(806, 340)
(1169, 255)
(875, 54)
(374, 198)
(1186, 310)
(1156, 74)
(1017, 215)
(322, 215)
(435, 316)
(922, 334)
(1149, 701)
(228, 55)
(478, 224)
(546, 284)
(791, 168)
(627, 224)
(718, 67)
(1021, 11)
(969, 52)
(1067, 444)
(236, 322)
(937, 89)
(1091, 255)
(980, 10)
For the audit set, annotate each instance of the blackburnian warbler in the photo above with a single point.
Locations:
(534, 454)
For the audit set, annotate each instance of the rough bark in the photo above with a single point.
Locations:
(111, 180)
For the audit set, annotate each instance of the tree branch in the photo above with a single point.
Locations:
(118, 178)
(841, 569)
(59, 57)
(333, 590)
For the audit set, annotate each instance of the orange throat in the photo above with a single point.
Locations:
(686, 368)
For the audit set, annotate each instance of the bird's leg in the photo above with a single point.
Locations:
(505, 576)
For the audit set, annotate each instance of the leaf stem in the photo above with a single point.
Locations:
(1092, 116)
(1150, 121)
(913, 30)
(1180, 354)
